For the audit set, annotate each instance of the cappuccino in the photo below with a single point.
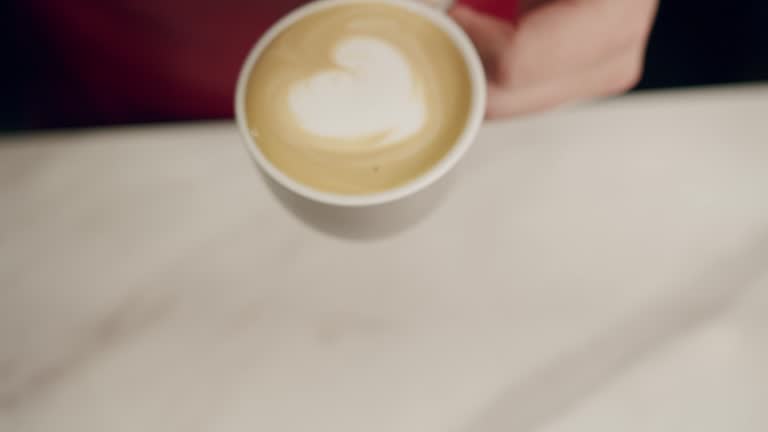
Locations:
(358, 98)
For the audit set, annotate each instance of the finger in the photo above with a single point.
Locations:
(562, 36)
(490, 35)
(559, 53)
(612, 77)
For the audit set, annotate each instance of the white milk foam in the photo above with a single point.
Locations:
(371, 92)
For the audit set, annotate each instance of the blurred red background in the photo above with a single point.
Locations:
(98, 62)
(125, 61)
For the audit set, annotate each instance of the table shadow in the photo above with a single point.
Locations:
(366, 223)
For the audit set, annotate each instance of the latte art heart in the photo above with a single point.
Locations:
(358, 97)
(372, 92)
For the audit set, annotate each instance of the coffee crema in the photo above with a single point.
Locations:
(358, 98)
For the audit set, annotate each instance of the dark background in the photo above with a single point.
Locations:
(708, 42)
(693, 43)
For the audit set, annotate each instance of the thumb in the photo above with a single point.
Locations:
(492, 37)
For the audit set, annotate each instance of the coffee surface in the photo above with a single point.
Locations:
(358, 98)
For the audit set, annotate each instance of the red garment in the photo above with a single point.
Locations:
(145, 60)
(505, 9)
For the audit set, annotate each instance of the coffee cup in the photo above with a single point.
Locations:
(358, 103)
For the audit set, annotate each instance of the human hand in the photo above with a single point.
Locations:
(560, 51)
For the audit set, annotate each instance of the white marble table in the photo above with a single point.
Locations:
(603, 268)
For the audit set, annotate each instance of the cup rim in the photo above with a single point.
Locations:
(437, 171)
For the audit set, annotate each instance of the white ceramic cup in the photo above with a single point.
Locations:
(436, 14)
